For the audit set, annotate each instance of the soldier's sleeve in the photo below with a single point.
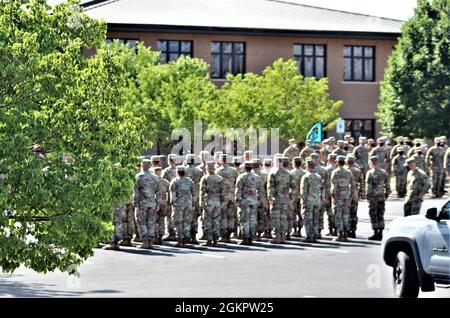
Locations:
(353, 189)
(333, 183)
(202, 192)
(394, 164)
(193, 192)
(136, 193)
(304, 188)
(173, 192)
(428, 156)
(157, 192)
(293, 186)
(259, 190)
(387, 184)
(369, 185)
(361, 184)
(238, 190)
(222, 190)
(393, 152)
(426, 184)
(271, 187)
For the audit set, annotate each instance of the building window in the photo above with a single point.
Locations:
(227, 57)
(171, 50)
(129, 42)
(311, 59)
(360, 127)
(359, 63)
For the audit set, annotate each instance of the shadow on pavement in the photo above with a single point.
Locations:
(19, 289)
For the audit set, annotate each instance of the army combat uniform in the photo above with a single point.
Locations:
(417, 185)
(211, 199)
(195, 174)
(297, 218)
(400, 171)
(183, 196)
(311, 191)
(358, 192)
(435, 158)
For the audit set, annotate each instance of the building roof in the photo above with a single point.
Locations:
(251, 15)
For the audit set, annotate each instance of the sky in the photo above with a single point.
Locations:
(395, 9)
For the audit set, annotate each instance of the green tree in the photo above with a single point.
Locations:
(278, 98)
(68, 145)
(415, 95)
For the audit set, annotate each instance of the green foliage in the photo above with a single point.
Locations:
(55, 103)
(279, 98)
(415, 95)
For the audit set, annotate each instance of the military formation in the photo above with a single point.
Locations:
(275, 198)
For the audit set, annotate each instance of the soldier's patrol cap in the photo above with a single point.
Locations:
(340, 142)
(332, 138)
(155, 158)
(292, 141)
(190, 158)
(405, 139)
(256, 161)
(146, 161)
(314, 155)
(340, 158)
(310, 163)
(381, 139)
(437, 139)
(373, 159)
(443, 138)
(284, 159)
(203, 153)
(400, 149)
(362, 138)
(351, 158)
(371, 140)
(157, 169)
(332, 156)
(297, 160)
(172, 157)
(210, 164)
(410, 159)
(248, 153)
(399, 138)
(267, 162)
(348, 136)
(237, 160)
(248, 164)
(181, 168)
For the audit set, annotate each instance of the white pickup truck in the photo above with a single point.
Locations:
(417, 248)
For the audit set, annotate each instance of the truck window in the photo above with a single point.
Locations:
(445, 214)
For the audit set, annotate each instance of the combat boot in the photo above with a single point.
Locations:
(374, 237)
(283, 238)
(295, 234)
(345, 236)
(158, 240)
(318, 236)
(228, 240)
(300, 232)
(208, 243)
(288, 237)
(330, 232)
(267, 235)
(380, 234)
(244, 242)
(223, 239)
(194, 239)
(258, 237)
(214, 243)
(179, 244)
(125, 242)
(335, 233)
(138, 239)
(309, 239)
(340, 237)
(171, 237)
(277, 239)
(111, 247)
(146, 245)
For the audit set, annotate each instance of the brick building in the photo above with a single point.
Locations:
(237, 36)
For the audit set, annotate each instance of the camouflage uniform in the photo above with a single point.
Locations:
(340, 151)
(279, 191)
(291, 151)
(227, 221)
(447, 161)
(128, 221)
(248, 191)
(195, 174)
(305, 153)
(165, 210)
(328, 202)
(211, 199)
(377, 190)
(400, 171)
(183, 196)
(323, 173)
(435, 158)
(297, 219)
(146, 193)
(119, 211)
(417, 185)
(420, 162)
(358, 191)
(362, 158)
(382, 154)
(342, 191)
(311, 191)
(263, 208)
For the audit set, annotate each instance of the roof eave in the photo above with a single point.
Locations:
(246, 31)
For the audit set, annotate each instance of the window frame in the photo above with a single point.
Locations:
(125, 40)
(364, 58)
(314, 56)
(233, 55)
(352, 130)
(179, 52)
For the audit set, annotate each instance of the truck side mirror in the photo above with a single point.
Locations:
(432, 214)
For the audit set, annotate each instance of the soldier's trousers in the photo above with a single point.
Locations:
(412, 206)
(353, 215)
(248, 220)
(227, 221)
(262, 217)
(311, 216)
(117, 221)
(146, 222)
(183, 221)
(297, 222)
(211, 220)
(165, 213)
(436, 181)
(328, 208)
(128, 222)
(341, 208)
(194, 219)
(279, 216)
(400, 184)
(376, 213)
